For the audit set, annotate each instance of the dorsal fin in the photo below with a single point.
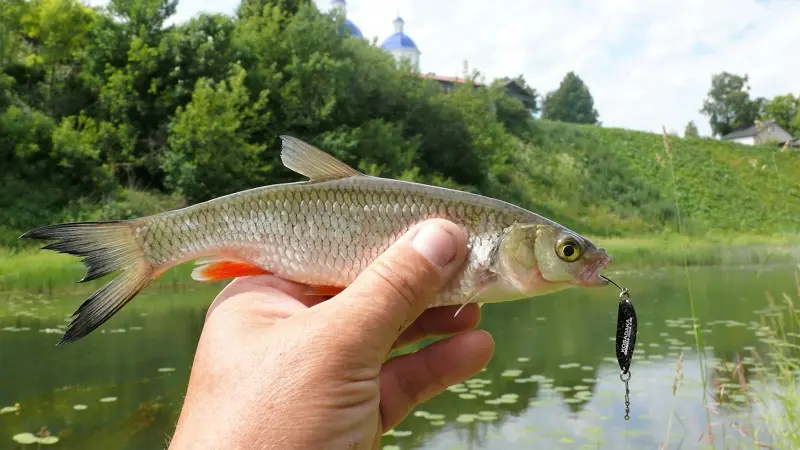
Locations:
(312, 162)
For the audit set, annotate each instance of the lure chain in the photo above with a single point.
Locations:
(626, 340)
(627, 395)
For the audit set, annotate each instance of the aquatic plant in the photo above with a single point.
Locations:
(780, 400)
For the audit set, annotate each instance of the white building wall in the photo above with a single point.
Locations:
(409, 54)
(751, 140)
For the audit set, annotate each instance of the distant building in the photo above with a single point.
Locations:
(448, 84)
(770, 133)
(511, 87)
(401, 46)
(516, 90)
(340, 6)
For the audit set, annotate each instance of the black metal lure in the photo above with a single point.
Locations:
(626, 340)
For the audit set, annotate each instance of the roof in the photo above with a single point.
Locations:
(442, 78)
(354, 30)
(770, 129)
(399, 41)
(742, 132)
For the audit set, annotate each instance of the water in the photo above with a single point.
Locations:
(553, 381)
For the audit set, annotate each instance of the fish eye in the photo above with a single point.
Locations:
(568, 249)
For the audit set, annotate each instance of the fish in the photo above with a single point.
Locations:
(322, 232)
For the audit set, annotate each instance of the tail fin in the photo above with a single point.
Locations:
(106, 247)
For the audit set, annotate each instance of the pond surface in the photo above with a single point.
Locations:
(553, 382)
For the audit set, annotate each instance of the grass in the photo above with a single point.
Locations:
(781, 402)
(621, 182)
(675, 250)
(41, 270)
(46, 271)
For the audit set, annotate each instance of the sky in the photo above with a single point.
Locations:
(647, 64)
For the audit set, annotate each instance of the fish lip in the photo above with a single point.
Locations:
(591, 275)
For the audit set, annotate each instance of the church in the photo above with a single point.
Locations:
(401, 46)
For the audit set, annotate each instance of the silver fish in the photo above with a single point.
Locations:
(323, 232)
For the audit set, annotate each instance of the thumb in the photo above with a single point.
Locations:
(401, 283)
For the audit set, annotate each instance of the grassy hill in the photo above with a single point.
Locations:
(620, 182)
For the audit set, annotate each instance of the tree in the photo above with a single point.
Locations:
(785, 111)
(571, 102)
(728, 104)
(210, 152)
(691, 130)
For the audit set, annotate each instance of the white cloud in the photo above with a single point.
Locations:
(647, 64)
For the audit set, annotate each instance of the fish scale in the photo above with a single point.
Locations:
(323, 233)
(320, 233)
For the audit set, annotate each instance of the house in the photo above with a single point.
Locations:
(769, 132)
(448, 84)
(516, 90)
(510, 86)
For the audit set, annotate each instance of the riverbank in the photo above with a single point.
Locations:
(42, 270)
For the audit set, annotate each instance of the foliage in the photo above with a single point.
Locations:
(785, 111)
(209, 151)
(106, 112)
(728, 104)
(691, 130)
(614, 182)
(571, 102)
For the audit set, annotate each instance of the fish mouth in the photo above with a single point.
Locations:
(591, 273)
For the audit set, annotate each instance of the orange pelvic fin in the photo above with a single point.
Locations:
(323, 290)
(214, 270)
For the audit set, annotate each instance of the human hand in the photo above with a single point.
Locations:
(275, 368)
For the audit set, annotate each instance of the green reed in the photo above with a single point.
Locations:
(699, 345)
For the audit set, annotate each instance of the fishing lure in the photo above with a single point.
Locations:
(626, 340)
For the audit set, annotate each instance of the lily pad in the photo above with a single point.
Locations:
(79, 407)
(523, 359)
(108, 399)
(511, 373)
(467, 396)
(25, 438)
(9, 409)
(437, 423)
(48, 440)
(166, 369)
(466, 418)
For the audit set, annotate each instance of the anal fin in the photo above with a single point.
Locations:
(323, 290)
(215, 270)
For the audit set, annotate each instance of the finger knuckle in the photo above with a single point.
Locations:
(401, 279)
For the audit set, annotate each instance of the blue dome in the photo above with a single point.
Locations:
(354, 30)
(399, 40)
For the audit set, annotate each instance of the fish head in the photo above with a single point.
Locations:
(542, 258)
